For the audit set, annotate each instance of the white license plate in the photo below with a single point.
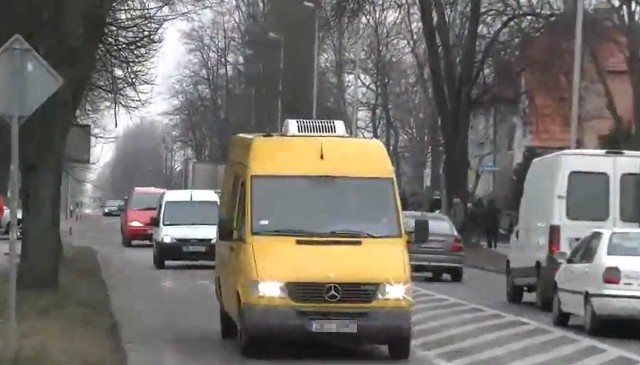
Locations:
(194, 249)
(334, 326)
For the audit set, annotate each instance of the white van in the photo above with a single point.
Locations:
(185, 226)
(566, 195)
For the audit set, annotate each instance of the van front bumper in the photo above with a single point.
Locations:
(374, 325)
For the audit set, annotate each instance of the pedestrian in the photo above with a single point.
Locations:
(492, 223)
(477, 225)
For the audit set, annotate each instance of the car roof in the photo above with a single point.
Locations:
(428, 215)
(191, 194)
(148, 189)
(617, 230)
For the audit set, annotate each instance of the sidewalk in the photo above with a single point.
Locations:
(478, 256)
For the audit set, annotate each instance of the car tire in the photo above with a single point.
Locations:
(514, 293)
(457, 274)
(543, 303)
(399, 349)
(558, 317)
(228, 328)
(126, 242)
(592, 324)
(249, 345)
(436, 276)
(158, 262)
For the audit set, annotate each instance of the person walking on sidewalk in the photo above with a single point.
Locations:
(492, 223)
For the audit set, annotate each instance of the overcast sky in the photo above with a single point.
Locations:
(166, 65)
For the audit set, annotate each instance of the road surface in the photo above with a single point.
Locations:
(171, 317)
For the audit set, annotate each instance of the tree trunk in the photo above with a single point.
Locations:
(41, 167)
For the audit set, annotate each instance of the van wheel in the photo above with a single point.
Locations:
(558, 317)
(399, 349)
(592, 324)
(456, 275)
(514, 293)
(543, 302)
(436, 276)
(228, 328)
(158, 262)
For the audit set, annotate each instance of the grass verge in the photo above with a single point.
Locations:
(73, 325)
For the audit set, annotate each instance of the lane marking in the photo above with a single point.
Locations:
(574, 336)
(483, 338)
(432, 305)
(531, 341)
(454, 331)
(597, 359)
(553, 354)
(450, 320)
(438, 312)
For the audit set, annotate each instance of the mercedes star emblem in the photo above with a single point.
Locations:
(332, 292)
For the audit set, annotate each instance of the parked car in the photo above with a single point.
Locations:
(5, 222)
(599, 279)
(566, 195)
(186, 228)
(443, 253)
(135, 219)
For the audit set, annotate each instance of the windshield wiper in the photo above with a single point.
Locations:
(287, 232)
(352, 233)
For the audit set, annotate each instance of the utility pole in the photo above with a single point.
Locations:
(316, 45)
(356, 84)
(577, 71)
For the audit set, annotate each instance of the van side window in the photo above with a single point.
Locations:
(228, 212)
(628, 198)
(588, 196)
(240, 213)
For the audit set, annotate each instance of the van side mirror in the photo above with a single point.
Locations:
(421, 230)
(155, 221)
(561, 256)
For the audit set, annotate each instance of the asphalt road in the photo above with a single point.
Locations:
(170, 317)
(475, 325)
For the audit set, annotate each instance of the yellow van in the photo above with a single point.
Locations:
(311, 242)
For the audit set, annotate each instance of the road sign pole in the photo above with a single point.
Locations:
(13, 201)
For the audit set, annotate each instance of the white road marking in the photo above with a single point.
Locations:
(532, 341)
(553, 354)
(485, 337)
(440, 311)
(430, 324)
(457, 330)
(430, 305)
(428, 298)
(612, 352)
(598, 359)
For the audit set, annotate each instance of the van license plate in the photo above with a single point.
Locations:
(193, 249)
(334, 326)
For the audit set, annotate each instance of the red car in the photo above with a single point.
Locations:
(139, 208)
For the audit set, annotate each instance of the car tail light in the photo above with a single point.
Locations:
(457, 246)
(611, 275)
(554, 239)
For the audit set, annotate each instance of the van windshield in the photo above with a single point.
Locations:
(190, 213)
(324, 206)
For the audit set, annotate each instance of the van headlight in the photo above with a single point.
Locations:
(268, 289)
(167, 239)
(394, 291)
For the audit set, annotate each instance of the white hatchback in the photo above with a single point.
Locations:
(599, 279)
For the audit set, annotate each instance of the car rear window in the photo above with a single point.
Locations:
(436, 225)
(145, 201)
(624, 244)
(588, 196)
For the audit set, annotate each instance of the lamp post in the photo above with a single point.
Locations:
(280, 38)
(316, 42)
(577, 68)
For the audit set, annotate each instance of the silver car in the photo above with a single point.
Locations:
(443, 251)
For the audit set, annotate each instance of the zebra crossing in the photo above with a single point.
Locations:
(449, 331)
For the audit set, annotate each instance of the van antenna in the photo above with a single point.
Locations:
(321, 152)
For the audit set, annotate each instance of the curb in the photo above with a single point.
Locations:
(485, 268)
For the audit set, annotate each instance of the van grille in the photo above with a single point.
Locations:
(314, 293)
(319, 127)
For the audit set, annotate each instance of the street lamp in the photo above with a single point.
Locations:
(577, 68)
(310, 4)
(280, 38)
